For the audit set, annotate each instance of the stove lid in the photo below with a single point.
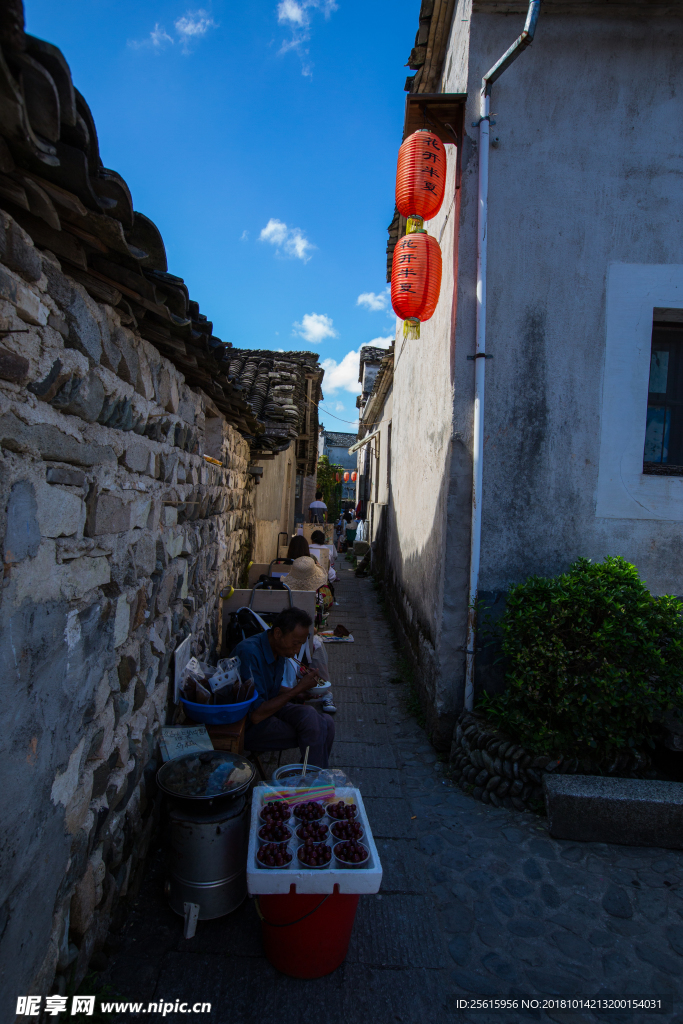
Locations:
(205, 775)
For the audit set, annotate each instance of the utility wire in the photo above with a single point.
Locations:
(352, 422)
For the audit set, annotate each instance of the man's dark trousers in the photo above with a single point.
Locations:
(294, 725)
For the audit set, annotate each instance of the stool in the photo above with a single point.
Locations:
(231, 737)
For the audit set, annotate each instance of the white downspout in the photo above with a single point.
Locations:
(487, 81)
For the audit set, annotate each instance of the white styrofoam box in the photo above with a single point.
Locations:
(267, 881)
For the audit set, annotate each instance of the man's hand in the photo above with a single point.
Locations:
(305, 682)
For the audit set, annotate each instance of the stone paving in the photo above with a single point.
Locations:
(475, 901)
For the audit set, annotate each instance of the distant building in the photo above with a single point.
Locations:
(336, 447)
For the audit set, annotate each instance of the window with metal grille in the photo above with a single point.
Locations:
(663, 454)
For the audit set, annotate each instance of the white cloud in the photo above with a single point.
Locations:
(244, 237)
(159, 37)
(382, 342)
(292, 13)
(372, 301)
(296, 15)
(298, 245)
(342, 376)
(190, 27)
(274, 232)
(339, 407)
(193, 25)
(291, 240)
(315, 327)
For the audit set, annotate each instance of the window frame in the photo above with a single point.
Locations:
(637, 295)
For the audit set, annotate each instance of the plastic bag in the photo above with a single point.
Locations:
(225, 674)
(319, 659)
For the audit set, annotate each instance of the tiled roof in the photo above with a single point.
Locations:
(275, 385)
(334, 440)
(369, 354)
(54, 185)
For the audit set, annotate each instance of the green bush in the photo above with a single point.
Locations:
(591, 659)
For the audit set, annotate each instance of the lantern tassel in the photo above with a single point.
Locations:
(411, 327)
(414, 223)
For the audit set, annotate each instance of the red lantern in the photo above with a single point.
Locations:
(415, 280)
(337, 477)
(421, 175)
(354, 477)
(346, 478)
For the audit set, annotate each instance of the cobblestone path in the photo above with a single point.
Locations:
(475, 901)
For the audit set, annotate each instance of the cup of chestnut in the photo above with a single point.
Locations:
(275, 812)
(347, 830)
(273, 855)
(314, 855)
(309, 811)
(276, 832)
(316, 831)
(342, 811)
(351, 854)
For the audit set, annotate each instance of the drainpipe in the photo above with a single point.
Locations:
(487, 81)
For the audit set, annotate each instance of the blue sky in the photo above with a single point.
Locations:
(262, 139)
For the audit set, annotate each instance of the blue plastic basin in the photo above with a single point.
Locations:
(217, 714)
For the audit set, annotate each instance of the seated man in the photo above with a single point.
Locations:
(275, 723)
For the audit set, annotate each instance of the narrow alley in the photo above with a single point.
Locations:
(475, 901)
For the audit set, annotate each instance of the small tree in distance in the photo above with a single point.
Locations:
(332, 491)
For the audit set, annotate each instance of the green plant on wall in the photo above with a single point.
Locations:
(332, 491)
(592, 659)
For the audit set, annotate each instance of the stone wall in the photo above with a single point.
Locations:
(118, 536)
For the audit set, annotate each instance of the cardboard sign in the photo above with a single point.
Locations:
(177, 740)
(181, 656)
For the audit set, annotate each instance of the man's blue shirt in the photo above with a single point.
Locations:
(258, 662)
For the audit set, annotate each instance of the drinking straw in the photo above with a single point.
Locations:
(303, 773)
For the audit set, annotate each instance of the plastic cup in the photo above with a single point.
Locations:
(315, 841)
(275, 842)
(352, 864)
(311, 867)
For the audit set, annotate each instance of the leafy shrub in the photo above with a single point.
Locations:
(592, 658)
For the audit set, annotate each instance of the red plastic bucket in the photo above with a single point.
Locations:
(307, 935)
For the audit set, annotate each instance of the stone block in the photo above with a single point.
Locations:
(630, 812)
(82, 575)
(56, 378)
(146, 554)
(136, 457)
(360, 547)
(66, 783)
(27, 302)
(139, 513)
(68, 477)
(166, 590)
(107, 514)
(140, 613)
(121, 620)
(129, 366)
(84, 398)
(170, 515)
(17, 250)
(77, 814)
(61, 512)
(127, 668)
(22, 536)
(58, 323)
(50, 443)
(84, 330)
(13, 367)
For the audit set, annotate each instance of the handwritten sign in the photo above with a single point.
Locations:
(177, 740)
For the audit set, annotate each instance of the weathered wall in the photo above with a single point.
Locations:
(569, 195)
(418, 517)
(591, 198)
(117, 538)
(274, 504)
